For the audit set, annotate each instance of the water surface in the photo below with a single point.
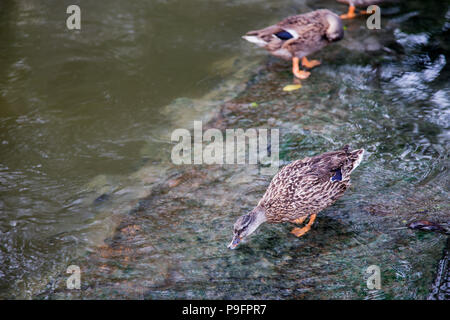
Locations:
(85, 170)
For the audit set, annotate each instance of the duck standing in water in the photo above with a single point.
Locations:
(300, 190)
(359, 3)
(298, 36)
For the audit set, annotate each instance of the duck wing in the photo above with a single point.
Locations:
(291, 27)
(364, 3)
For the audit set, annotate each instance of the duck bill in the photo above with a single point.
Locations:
(234, 243)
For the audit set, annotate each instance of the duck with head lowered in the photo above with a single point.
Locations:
(352, 4)
(296, 37)
(300, 190)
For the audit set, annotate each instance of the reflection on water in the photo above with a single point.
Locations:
(86, 178)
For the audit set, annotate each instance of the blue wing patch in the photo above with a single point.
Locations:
(284, 35)
(337, 176)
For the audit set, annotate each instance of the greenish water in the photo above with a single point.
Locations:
(85, 170)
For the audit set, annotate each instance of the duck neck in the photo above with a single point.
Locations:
(335, 31)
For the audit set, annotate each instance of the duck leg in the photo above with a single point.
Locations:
(296, 69)
(298, 232)
(300, 220)
(310, 63)
(350, 14)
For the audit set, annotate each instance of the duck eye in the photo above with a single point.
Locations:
(241, 229)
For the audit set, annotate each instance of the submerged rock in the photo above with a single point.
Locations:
(172, 242)
(425, 225)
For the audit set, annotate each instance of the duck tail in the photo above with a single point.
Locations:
(255, 39)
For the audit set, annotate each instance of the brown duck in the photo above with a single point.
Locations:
(298, 36)
(300, 190)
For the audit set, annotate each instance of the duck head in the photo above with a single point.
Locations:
(335, 31)
(247, 224)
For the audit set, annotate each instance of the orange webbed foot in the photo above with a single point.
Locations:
(366, 12)
(302, 74)
(298, 232)
(350, 14)
(347, 16)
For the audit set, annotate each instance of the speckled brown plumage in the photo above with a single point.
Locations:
(311, 32)
(304, 187)
(362, 4)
